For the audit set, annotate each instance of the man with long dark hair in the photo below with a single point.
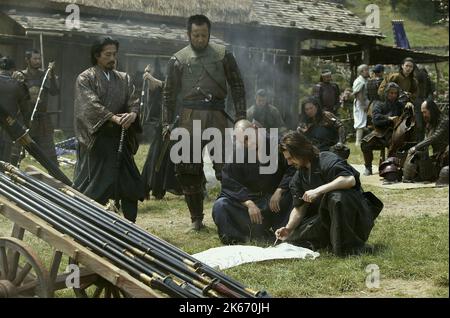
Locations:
(196, 85)
(106, 109)
(436, 136)
(330, 208)
(403, 78)
(322, 127)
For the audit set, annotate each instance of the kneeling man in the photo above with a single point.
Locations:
(330, 208)
(252, 202)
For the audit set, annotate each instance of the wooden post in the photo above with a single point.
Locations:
(437, 77)
(41, 44)
(366, 55)
(295, 84)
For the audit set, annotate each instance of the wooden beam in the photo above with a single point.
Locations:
(81, 254)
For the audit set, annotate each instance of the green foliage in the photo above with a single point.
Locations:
(417, 15)
(410, 236)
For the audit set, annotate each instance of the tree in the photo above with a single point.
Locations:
(442, 8)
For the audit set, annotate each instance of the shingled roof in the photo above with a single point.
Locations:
(100, 26)
(311, 15)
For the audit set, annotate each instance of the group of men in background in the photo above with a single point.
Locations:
(25, 95)
(303, 201)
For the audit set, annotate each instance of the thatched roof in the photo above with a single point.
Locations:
(47, 22)
(230, 11)
(312, 15)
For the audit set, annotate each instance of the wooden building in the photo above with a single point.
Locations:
(264, 35)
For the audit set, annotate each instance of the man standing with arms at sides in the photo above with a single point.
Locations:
(196, 84)
(41, 128)
(106, 120)
(327, 93)
(361, 102)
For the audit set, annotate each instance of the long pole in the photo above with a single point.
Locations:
(41, 42)
(102, 247)
(127, 240)
(92, 219)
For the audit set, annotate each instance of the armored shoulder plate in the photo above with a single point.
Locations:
(214, 51)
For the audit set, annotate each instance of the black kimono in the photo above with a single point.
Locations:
(98, 173)
(163, 180)
(341, 219)
(242, 182)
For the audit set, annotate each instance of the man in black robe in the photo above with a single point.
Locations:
(157, 182)
(15, 101)
(251, 202)
(323, 128)
(41, 127)
(330, 208)
(107, 106)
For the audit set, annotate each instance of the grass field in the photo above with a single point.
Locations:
(419, 34)
(410, 236)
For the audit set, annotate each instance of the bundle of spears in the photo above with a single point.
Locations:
(150, 259)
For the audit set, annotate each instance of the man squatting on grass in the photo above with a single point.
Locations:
(252, 202)
(330, 207)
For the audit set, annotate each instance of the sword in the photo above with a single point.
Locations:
(18, 134)
(144, 94)
(118, 166)
(209, 97)
(50, 67)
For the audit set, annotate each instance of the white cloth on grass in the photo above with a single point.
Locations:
(233, 255)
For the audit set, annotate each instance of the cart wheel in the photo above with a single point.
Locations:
(98, 287)
(101, 288)
(22, 273)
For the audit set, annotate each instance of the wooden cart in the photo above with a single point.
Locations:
(23, 274)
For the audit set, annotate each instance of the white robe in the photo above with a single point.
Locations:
(361, 102)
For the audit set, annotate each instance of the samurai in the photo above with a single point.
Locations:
(106, 125)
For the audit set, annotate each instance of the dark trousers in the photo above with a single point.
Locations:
(234, 224)
(5, 146)
(374, 141)
(41, 132)
(343, 221)
(98, 176)
(129, 207)
(190, 175)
